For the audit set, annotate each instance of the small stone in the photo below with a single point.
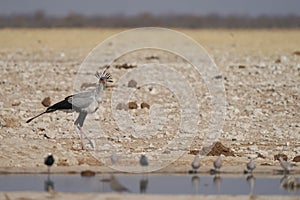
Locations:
(278, 60)
(46, 102)
(41, 127)
(122, 106)
(219, 149)
(16, 103)
(296, 159)
(297, 53)
(132, 105)
(132, 84)
(88, 173)
(252, 148)
(259, 155)
(194, 151)
(145, 105)
(49, 135)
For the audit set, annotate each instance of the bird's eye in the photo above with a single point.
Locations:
(102, 80)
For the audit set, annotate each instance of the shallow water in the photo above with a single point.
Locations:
(153, 184)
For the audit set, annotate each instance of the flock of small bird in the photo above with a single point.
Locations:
(250, 166)
(218, 164)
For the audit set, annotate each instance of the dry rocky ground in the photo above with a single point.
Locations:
(260, 70)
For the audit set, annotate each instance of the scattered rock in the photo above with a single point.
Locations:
(88, 173)
(122, 106)
(145, 105)
(218, 77)
(296, 159)
(194, 152)
(49, 135)
(282, 155)
(16, 103)
(278, 60)
(265, 164)
(132, 105)
(252, 148)
(125, 66)
(297, 53)
(259, 155)
(283, 59)
(62, 162)
(46, 102)
(152, 57)
(41, 127)
(132, 84)
(219, 149)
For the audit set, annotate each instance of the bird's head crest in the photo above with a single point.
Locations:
(104, 77)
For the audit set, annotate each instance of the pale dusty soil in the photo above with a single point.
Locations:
(262, 96)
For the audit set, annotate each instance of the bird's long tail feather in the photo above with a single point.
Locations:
(29, 120)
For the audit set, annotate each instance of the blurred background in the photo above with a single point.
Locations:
(141, 13)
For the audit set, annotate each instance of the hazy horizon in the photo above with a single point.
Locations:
(156, 7)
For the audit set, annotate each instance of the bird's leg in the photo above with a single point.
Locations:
(79, 123)
(82, 134)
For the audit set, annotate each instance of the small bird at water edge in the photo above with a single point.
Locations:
(49, 160)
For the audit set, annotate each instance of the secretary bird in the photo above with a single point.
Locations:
(84, 103)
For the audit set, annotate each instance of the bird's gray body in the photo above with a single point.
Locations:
(218, 163)
(285, 165)
(87, 101)
(251, 165)
(196, 163)
(144, 160)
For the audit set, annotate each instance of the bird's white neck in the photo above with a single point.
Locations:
(99, 90)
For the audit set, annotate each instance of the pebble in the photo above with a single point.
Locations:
(145, 105)
(151, 145)
(46, 102)
(132, 84)
(16, 103)
(50, 135)
(132, 105)
(88, 173)
(296, 159)
(122, 106)
(252, 148)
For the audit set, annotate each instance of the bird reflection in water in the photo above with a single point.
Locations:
(143, 184)
(49, 185)
(217, 181)
(196, 183)
(115, 185)
(290, 183)
(251, 180)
